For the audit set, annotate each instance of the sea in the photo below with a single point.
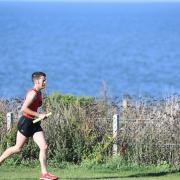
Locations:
(87, 49)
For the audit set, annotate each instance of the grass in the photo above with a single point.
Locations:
(79, 173)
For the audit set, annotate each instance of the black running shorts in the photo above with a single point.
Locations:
(27, 128)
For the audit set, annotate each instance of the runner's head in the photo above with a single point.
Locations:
(39, 79)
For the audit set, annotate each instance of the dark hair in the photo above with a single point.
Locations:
(37, 75)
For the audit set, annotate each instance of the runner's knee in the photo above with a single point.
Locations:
(17, 149)
(44, 147)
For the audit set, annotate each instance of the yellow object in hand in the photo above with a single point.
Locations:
(39, 119)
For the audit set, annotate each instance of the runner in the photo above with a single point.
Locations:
(27, 129)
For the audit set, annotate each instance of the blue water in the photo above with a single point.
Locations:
(133, 48)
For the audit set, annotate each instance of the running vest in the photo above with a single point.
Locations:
(37, 102)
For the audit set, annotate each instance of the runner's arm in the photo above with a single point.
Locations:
(25, 107)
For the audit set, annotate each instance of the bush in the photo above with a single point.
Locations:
(80, 131)
(74, 128)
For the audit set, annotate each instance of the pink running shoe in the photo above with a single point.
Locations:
(48, 176)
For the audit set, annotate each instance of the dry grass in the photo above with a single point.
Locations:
(149, 128)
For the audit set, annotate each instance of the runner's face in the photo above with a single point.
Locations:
(42, 82)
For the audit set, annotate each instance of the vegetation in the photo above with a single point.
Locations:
(77, 172)
(80, 131)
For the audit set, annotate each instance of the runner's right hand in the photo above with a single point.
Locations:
(42, 116)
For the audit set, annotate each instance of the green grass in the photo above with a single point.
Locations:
(73, 172)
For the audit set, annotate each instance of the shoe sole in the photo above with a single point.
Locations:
(48, 179)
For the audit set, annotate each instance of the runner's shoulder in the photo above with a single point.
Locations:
(31, 93)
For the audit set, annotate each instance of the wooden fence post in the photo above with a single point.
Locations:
(115, 133)
(9, 119)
